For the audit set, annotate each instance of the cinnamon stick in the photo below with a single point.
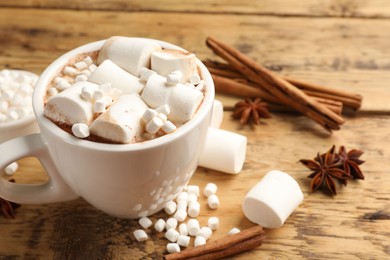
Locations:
(230, 245)
(278, 87)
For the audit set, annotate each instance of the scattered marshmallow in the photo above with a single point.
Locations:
(183, 241)
(140, 235)
(193, 227)
(271, 201)
(80, 130)
(193, 189)
(217, 115)
(145, 222)
(213, 201)
(213, 223)
(231, 158)
(173, 248)
(205, 232)
(172, 235)
(194, 209)
(11, 168)
(159, 225)
(108, 71)
(170, 207)
(182, 204)
(210, 189)
(180, 215)
(199, 241)
(171, 223)
(183, 230)
(233, 231)
(183, 196)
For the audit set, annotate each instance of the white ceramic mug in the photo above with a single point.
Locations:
(125, 180)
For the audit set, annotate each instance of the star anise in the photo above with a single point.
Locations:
(325, 167)
(8, 207)
(251, 110)
(350, 162)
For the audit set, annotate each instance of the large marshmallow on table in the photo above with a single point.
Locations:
(109, 72)
(121, 123)
(129, 53)
(166, 61)
(270, 202)
(224, 151)
(68, 107)
(183, 101)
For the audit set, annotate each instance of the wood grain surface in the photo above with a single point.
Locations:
(339, 43)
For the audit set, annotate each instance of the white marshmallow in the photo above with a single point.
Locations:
(194, 79)
(213, 201)
(174, 78)
(80, 130)
(193, 227)
(87, 92)
(205, 232)
(271, 201)
(194, 209)
(192, 198)
(183, 230)
(81, 65)
(213, 223)
(145, 222)
(182, 100)
(52, 92)
(180, 215)
(99, 106)
(172, 235)
(224, 151)
(199, 241)
(171, 223)
(62, 85)
(149, 115)
(131, 54)
(166, 61)
(173, 248)
(168, 127)
(182, 196)
(170, 207)
(106, 88)
(154, 125)
(121, 122)
(86, 73)
(233, 231)
(145, 73)
(119, 78)
(193, 189)
(88, 60)
(92, 67)
(217, 115)
(97, 94)
(183, 241)
(163, 109)
(159, 225)
(70, 71)
(11, 168)
(209, 189)
(68, 107)
(140, 235)
(81, 77)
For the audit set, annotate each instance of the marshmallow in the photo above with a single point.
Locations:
(182, 196)
(171, 223)
(183, 230)
(80, 130)
(233, 231)
(159, 225)
(108, 71)
(271, 201)
(213, 223)
(149, 115)
(194, 209)
(172, 235)
(168, 127)
(224, 151)
(68, 107)
(166, 61)
(99, 106)
(62, 85)
(194, 79)
(145, 73)
(182, 100)
(70, 71)
(205, 232)
(180, 215)
(174, 78)
(182, 204)
(145, 222)
(193, 189)
(121, 122)
(130, 54)
(140, 235)
(154, 125)
(193, 227)
(192, 198)
(81, 77)
(81, 65)
(213, 201)
(87, 92)
(11, 168)
(88, 60)
(210, 189)
(199, 241)
(183, 241)
(173, 248)
(163, 109)
(217, 115)
(170, 207)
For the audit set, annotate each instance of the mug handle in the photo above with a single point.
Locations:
(55, 190)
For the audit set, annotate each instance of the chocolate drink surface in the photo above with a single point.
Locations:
(131, 90)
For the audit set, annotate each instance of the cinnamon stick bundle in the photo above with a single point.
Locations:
(230, 245)
(278, 87)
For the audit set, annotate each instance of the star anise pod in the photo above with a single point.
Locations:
(350, 162)
(251, 110)
(325, 167)
(8, 207)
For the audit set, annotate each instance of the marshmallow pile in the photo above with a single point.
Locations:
(137, 91)
(179, 232)
(16, 87)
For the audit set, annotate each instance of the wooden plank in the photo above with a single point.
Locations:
(320, 8)
(335, 52)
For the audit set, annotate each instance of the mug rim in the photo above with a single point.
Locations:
(49, 73)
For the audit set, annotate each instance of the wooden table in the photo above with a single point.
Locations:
(340, 43)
